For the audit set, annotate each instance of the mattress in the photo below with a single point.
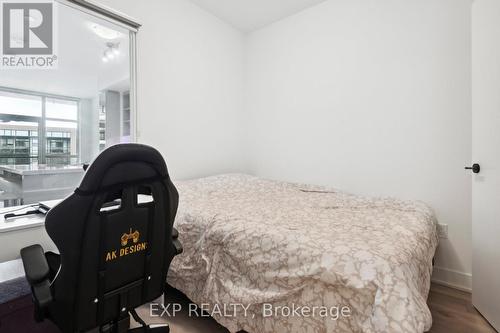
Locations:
(269, 257)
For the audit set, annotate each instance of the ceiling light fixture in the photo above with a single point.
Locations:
(112, 51)
(104, 32)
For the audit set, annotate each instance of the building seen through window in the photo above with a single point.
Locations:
(46, 136)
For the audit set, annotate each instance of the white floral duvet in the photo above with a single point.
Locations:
(255, 250)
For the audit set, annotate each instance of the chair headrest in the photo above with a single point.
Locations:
(122, 164)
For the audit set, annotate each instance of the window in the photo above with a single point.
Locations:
(61, 109)
(61, 128)
(20, 105)
(52, 121)
(22, 115)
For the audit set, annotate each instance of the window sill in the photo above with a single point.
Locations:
(20, 223)
(27, 170)
(10, 270)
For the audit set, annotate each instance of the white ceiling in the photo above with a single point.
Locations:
(249, 15)
(81, 72)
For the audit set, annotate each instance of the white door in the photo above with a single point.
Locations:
(486, 152)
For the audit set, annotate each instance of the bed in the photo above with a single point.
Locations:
(255, 247)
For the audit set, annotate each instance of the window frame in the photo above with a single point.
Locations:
(42, 120)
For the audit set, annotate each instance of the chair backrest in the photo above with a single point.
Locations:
(114, 235)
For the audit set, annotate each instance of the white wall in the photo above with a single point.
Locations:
(373, 97)
(190, 78)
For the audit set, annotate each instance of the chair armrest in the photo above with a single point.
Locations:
(176, 242)
(37, 273)
(42, 294)
(35, 264)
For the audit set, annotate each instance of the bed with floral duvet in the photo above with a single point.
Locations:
(266, 256)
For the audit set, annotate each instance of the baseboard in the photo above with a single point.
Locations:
(453, 279)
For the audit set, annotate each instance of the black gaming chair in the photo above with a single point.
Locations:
(116, 240)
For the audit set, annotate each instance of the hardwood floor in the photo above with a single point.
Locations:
(452, 312)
